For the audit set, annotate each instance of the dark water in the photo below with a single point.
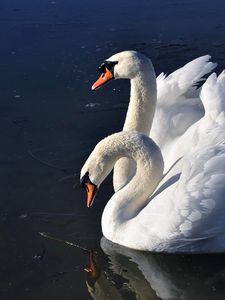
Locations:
(49, 54)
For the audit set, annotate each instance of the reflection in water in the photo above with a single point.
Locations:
(157, 276)
(99, 286)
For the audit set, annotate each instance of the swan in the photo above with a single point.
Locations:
(187, 213)
(172, 100)
(181, 210)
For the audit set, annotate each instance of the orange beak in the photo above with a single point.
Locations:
(103, 79)
(91, 193)
(93, 269)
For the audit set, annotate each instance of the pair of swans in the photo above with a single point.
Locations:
(169, 189)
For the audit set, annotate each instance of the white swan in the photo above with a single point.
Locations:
(178, 104)
(186, 213)
(186, 210)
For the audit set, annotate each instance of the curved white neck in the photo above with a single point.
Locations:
(126, 203)
(139, 117)
(143, 96)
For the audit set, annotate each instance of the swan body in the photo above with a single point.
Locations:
(172, 100)
(183, 213)
(182, 210)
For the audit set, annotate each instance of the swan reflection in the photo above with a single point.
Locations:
(99, 286)
(156, 276)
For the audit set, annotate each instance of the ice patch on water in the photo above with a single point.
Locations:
(91, 104)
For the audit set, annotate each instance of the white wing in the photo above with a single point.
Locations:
(178, 102)
(189, 205)
(183, 80)
(187, 211)
(199, 198)
(207, 131)
(213, 97)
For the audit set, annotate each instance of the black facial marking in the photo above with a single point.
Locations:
(107, 64)
(85, 179)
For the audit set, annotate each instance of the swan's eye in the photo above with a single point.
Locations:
(107, 65)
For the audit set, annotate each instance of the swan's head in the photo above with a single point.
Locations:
(126, 65)
(131, 144)
(97, 167)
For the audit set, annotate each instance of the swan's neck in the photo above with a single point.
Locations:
(142, 104)
(126, 203)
